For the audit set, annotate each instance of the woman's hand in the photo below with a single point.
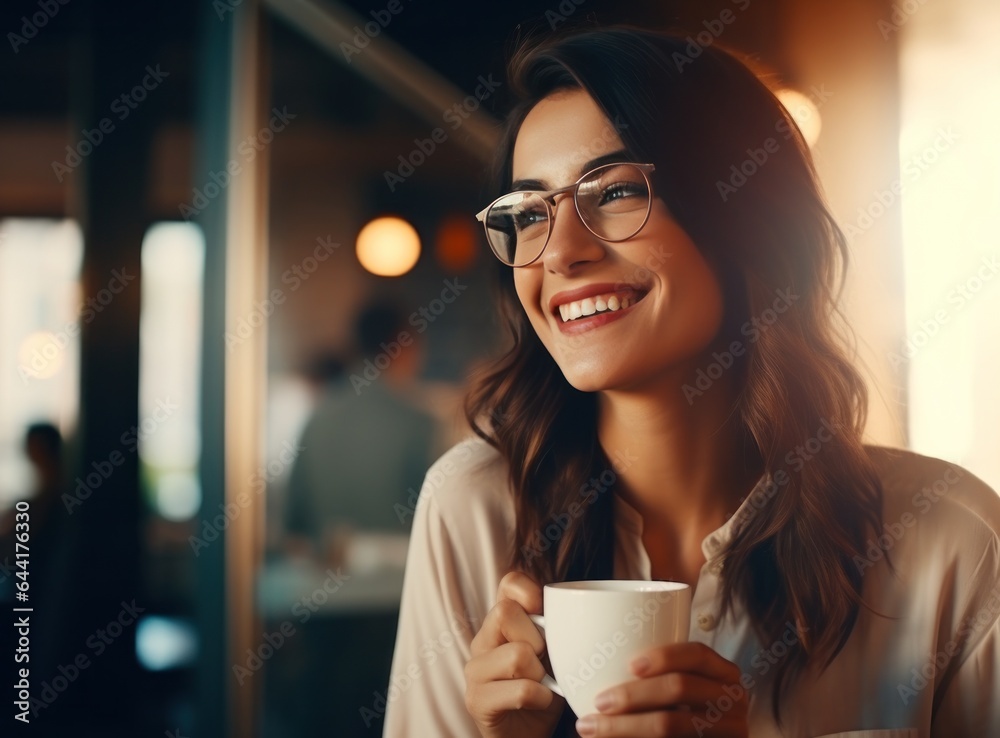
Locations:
(684, 689)
(502, 689)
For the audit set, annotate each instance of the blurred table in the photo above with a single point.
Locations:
(370, 579)
(338, 660)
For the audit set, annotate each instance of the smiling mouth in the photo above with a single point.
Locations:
(598, 304)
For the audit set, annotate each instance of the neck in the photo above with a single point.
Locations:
(687, 465)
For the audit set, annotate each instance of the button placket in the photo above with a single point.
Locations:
(706, 621)
(704, 609)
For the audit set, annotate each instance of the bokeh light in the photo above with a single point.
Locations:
(388, 246)
(455, 246)
(41, 354)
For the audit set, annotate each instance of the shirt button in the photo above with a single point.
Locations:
(706, 621)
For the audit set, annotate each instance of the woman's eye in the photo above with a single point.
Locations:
(622, 190)
(529, 218)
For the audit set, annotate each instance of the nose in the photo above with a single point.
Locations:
(570, 242)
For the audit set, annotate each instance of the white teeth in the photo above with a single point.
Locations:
(592, 305)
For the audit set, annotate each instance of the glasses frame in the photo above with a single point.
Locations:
(548, 197)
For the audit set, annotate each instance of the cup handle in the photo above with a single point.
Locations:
(547, 681)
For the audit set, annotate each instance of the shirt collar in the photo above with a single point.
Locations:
(715, 542)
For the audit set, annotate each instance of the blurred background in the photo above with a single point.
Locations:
(241, 288)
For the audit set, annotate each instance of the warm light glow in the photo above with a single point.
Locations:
(41, 354)
(949, 155)
(388, 246)
(455, 246)
(804, 111)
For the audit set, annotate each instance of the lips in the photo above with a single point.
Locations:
(594, 299)
(600, 304)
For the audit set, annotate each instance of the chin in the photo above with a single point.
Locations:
(586, 384)
(594, 379)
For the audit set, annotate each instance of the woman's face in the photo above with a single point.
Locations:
(679, 303)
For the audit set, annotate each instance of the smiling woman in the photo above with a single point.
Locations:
(623, 274)
(681, 300)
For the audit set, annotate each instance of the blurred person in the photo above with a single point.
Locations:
(326, 368)
(43, 446)
(351, 493)
(676, 405)
(367, 445)
(47, 555)
(297, 397)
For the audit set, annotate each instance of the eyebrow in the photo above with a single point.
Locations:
(538, 184)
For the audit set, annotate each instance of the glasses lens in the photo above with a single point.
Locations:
(614, 201)
(517, 226)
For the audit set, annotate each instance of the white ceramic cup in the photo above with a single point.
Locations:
(594, 629)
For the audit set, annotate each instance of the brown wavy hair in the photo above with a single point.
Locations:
(695, 118)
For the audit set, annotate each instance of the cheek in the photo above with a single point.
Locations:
(703, 291)
(693, 303)
(713, 296)
(528, 289)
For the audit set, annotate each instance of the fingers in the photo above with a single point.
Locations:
(632, 726)
(489, 701)
(687, 689)
(504, 679)
(509, 661)
(674, 690)
(518, 586)
(505, 623)
(690, 657)
(504, 673)
(508, 620)
(677, 724)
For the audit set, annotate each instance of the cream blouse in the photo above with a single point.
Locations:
(929, 670)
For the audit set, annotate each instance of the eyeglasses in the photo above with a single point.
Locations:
(613, 202)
